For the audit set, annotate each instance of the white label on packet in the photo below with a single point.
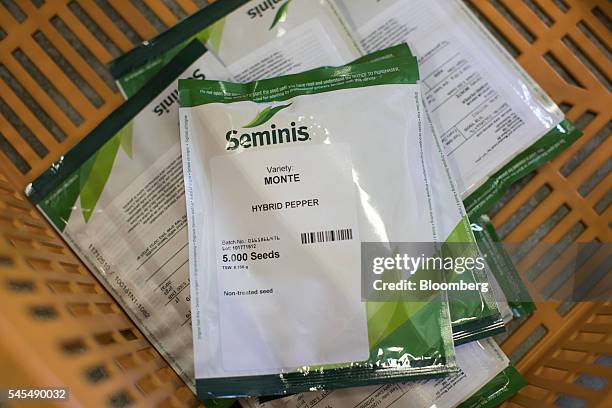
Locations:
(299, 268)
(480, 106)
(478, 363)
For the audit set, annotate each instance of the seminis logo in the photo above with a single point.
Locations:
(274, 135)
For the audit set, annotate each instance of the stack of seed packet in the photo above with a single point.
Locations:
(291, 203)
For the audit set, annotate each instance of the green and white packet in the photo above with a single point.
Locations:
(117, 198)
(485, 107)
(518, 298)
(284, 182)
(254, 39)
(479, 362)
(499, 389)
(474, 314)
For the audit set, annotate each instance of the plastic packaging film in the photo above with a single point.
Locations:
(253, 40)
(279, 202)
(485, 108)
(118, 200)
(474, 314)
(481, 367)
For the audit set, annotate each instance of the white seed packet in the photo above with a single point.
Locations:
(118, 200)
(284, 182)
(485, 108)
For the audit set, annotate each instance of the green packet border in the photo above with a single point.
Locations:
(60, 170)
(499, 389)
(503, 268)
(296, 382)
(402, 70)
(172, 37)
(503, 386)
(430, 362)
(477, 329)
(540, 152)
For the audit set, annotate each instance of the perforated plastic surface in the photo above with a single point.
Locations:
(59, 327)
(563, 350)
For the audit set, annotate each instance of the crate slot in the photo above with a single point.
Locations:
(594, 38)
(72, 74)
(44, 312)
(527, 208)
(515, 22)
(121, 399)
(540, 12)
(587, 61)
(595, 178)
(60, 287)
(22, 129)
(13, 155)
(44, 83)
(74, 347)
(83, 51)
(94, 29)
(602, 17)
(528, 343)
(14, 10)
(20, 285)
(558, 67)
(119, 21)
(589, 147)
(32, 105)
(562, 4)
(97, 374)
(148, 14)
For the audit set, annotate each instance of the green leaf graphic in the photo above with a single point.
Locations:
(280, 14)
(385, 317)
(265, 115)
(126, 138)
(211, 36)
(58, 206)
(94, 174)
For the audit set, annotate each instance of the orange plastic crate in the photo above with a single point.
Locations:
(59, 327)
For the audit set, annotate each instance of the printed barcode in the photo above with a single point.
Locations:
(327, 236)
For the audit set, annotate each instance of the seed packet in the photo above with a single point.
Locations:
(486, 109)
(482, 367)
(513, 289)
(284, 183)
(117, 198)
(474, 314)
(254, 39)
(499, 389)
